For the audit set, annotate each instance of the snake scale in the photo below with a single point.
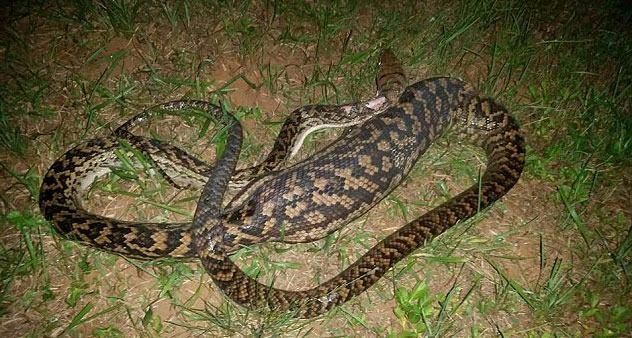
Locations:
(310, 199)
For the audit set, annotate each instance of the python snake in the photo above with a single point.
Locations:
(308, 200)
(349, 177)
(69, 177)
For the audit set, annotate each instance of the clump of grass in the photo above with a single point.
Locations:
(122, 15)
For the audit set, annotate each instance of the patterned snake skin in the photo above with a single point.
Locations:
(69, 177)
(346, 180)
(301, 203)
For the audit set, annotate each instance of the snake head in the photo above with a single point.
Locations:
(390, 79)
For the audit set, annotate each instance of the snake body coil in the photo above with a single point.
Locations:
(69, 176)
(352, 175)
